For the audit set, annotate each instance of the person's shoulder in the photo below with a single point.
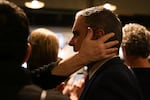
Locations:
(142, 72)
(114, 63)
(55, 95)
(30, 92)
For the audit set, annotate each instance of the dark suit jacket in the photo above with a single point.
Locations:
(43, 78)
(33, 92)
(143, 76)
(16, 83)
(112, 81)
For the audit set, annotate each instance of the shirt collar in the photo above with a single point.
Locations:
(96, 66)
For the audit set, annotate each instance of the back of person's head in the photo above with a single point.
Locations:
(99, 17)
(14, 32)
(45, 46)
(136, 40)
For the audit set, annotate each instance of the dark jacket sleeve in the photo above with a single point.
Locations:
(33, 92)
(44, 73)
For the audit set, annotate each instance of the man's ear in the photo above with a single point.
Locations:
(27, 53)
(98, 33)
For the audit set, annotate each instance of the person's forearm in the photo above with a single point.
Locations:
(69, 65)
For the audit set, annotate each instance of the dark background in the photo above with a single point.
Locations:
(61, 12)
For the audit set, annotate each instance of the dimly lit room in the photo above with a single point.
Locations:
(75, 49)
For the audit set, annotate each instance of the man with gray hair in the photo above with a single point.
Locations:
(136, 49)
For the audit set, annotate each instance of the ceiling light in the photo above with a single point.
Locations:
(34, 4)
(109, 6)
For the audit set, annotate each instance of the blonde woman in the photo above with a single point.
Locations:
(45, 47)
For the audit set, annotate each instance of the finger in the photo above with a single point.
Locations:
(111, 43)
(106, 37)
(89, 34)
(111, 50)
(110, 55)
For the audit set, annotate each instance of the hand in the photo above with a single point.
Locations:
(93, 50)
(77, 89)
(74, 90)
(60, 87)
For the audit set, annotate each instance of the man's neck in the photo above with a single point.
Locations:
(139, 62)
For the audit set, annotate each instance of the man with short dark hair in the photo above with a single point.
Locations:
(109, 79)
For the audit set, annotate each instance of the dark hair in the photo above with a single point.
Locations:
(14, 31)
(99, 17)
